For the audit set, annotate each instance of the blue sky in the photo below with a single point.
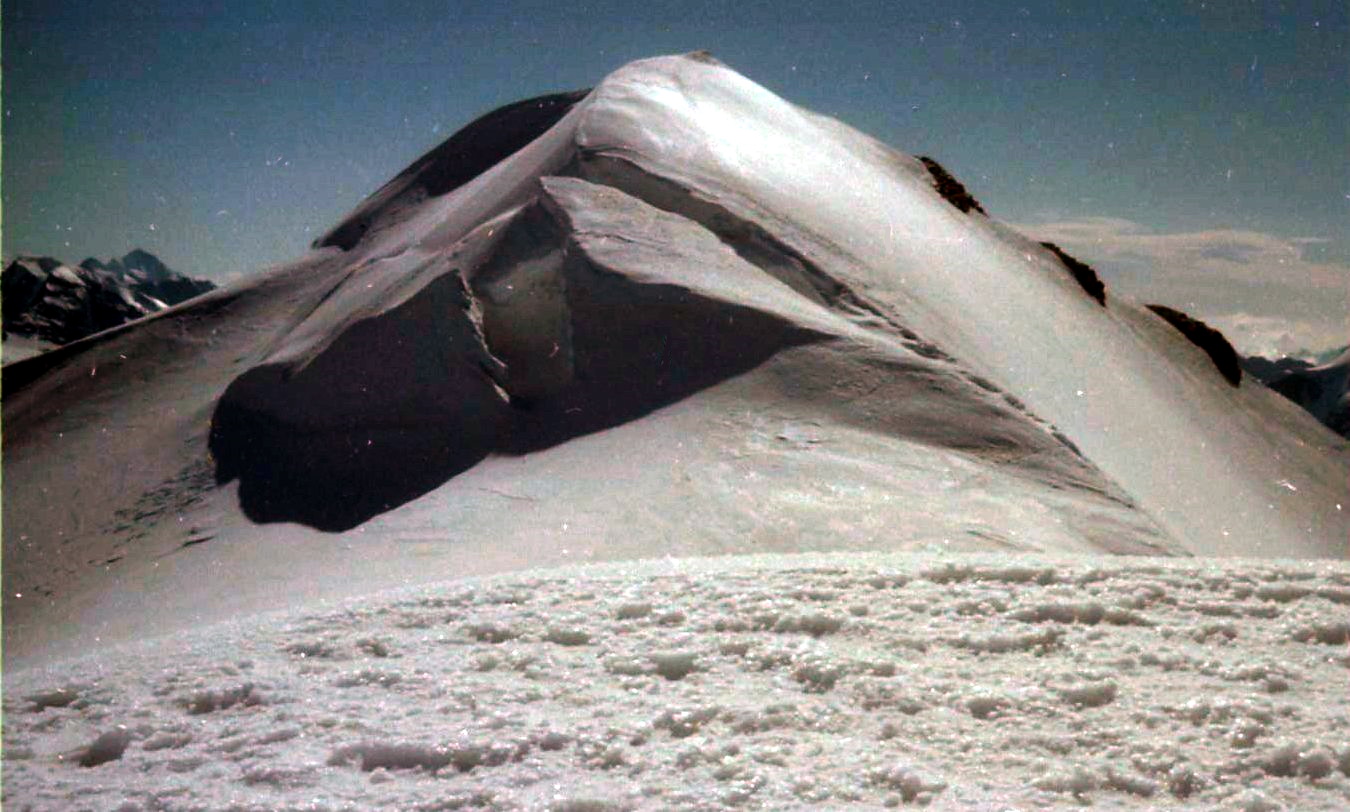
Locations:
(223, 136)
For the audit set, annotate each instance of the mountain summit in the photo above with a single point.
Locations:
(674, 315)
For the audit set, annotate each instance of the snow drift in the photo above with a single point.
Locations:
(675, 315)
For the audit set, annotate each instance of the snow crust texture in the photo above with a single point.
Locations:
(972, 682)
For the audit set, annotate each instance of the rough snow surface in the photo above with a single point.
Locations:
(860, 681)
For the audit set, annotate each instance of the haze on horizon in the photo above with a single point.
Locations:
(1194, 152)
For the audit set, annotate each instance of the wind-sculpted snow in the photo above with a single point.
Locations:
(585, 310)
(467, 154)
(949, 682)
(399, 402)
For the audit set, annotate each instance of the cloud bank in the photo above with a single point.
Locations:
(1259, 288)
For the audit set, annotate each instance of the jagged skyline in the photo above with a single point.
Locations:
(1177, 136)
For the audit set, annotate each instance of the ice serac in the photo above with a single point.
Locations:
(676, 315)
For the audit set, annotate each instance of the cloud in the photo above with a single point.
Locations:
(1259, 288)
(1274, 336)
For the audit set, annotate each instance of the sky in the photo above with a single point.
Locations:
(1192, 150)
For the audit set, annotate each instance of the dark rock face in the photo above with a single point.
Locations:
(950, 188)
(152, 277)
(1083, 273)
(1218, 349)
(21, 284)
(47, 300)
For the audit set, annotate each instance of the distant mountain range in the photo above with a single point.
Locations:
(1323, 389)
(47, 300)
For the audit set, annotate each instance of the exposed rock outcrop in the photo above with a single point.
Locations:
(1218, 349)
(1083, 273)
(950, 188)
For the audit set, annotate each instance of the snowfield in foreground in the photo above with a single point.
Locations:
(956, 682)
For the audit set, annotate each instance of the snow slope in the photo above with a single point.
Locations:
(684, 318)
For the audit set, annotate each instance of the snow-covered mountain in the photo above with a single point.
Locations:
(1266, 370)
(674, 316)
(684, 317)
(145, 272)
(1323, 389)
(49, 301)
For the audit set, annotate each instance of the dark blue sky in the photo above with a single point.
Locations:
(224, 136)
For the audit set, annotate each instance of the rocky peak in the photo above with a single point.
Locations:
(48, 300)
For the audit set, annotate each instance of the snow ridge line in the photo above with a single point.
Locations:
(758, 246)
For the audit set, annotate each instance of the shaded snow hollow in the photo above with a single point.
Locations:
(872, 681)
